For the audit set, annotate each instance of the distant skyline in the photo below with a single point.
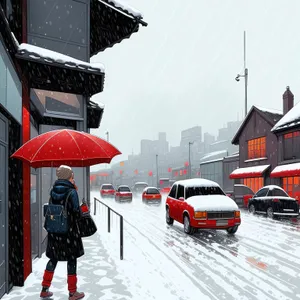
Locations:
(180, 71)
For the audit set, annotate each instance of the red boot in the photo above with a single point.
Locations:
(72, 287)
(47, 279)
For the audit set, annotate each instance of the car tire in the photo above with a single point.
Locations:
(252, 209)
(188, 229)
(169, 220)
(232, 230)
(270, 212)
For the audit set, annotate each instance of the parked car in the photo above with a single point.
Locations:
(273, 201)
(138, 188)
(241, 194)
(107, 190)
(201, 204)
(123, 194)
(151, 195)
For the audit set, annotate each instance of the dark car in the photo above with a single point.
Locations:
(123, 194)
(273, 201)
(138, 188)
(240, 194)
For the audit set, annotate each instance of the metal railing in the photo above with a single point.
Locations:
(109, 210)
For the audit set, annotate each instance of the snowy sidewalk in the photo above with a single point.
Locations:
(97, 276)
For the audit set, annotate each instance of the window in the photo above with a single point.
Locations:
(107, 187)
(262, 193)
(202, 190)
(152, 191)
(291, 145)
(254, 183)
(173, 191)
(10, 86)
(257, 148)
(123, 189)
(292, 186)
(277, 192)
(56, 104)
(180, 192)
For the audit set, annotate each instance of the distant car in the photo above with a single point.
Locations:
(107, 190)
(241, 194)
(151, 195)
(123, 194)
(272, 201)
(138, 188)
(201, 204)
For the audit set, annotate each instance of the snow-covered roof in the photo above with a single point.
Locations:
(197, 182)
(250, 170)
(289, 167)
(50, 56)
(142, 183)
(211, 161)
(211, 154)
(291, 118)
(272, 187)
(125, 7)
(269, 110)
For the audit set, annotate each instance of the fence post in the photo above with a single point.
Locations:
(108, 219)
(121, 237)
(94, 206)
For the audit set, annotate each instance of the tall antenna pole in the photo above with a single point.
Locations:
(246, 77)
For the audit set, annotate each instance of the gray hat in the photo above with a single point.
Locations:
(64, 172)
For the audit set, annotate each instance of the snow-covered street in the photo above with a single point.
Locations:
(161, 262)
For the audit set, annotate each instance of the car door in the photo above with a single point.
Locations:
(260, 200)
(180, 203)
(172, 202)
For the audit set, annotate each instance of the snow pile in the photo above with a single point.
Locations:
(197, 182)
(124, 6)
(287, 120)
(250, 170)
(39, 52)
(212, 203)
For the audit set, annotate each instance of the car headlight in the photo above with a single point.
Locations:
(200, 214)
(237, 214)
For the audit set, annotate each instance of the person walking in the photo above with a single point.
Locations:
(67, 247)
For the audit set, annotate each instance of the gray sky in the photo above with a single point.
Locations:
(179, 71)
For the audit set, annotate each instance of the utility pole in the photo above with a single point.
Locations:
(190, 167)
(245, 75)
(157, 185)
(107, 135)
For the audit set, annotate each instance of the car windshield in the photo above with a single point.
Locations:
(152, 191)
(107, 187)
(202, 190)
(124, 189)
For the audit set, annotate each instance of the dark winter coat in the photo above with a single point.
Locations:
(68, 246)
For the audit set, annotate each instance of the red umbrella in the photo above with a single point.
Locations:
(68, 147)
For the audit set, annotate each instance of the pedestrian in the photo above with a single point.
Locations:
(66, 247)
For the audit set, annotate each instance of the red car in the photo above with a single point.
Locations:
(151, 195)
(201, 204)
(107, 190)
(123, 194)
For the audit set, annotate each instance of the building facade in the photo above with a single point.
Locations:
(46, 82)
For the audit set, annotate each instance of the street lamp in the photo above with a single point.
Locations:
(157, 170)
(107, 135)
(190, 167)
(245, 75)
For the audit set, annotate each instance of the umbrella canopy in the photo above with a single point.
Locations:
(68, 147)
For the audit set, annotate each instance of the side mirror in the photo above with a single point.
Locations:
(181, 199)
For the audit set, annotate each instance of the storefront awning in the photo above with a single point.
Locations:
(111, 23)
(249, 172)
(50, 70)
(286, 170)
